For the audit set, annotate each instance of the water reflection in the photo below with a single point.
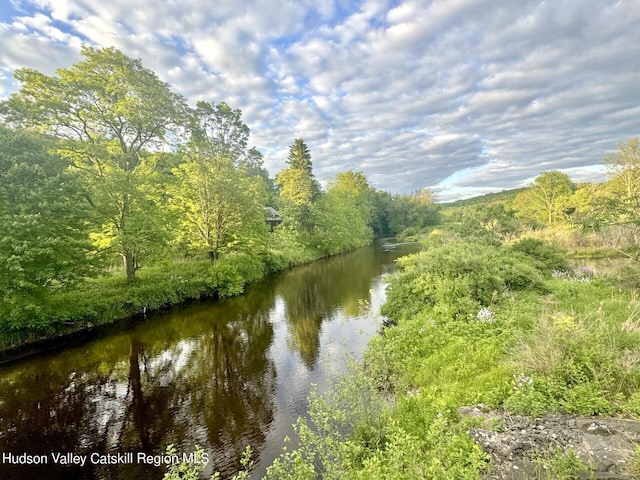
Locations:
(212, 374)
(313, 293)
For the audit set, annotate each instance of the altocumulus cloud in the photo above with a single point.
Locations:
(463, 96)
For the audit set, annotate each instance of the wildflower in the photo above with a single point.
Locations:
(558, 274)
(522, 381)
(485, 315)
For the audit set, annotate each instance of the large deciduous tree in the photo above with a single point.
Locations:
(220, 193)
(547, 199)
(224, 131)
(111, 114)
(221, 209)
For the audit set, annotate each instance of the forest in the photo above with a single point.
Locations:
(118, 198)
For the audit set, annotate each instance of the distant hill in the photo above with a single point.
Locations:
(488, 198)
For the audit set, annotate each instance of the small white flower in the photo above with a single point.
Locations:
(522, 381)
(485, 315)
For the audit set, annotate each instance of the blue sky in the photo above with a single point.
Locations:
(461, 96)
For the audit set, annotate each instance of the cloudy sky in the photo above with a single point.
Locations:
(462, 96)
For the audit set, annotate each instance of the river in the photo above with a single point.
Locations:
(220, 374)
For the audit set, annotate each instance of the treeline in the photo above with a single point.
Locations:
(117, 197)
(585, 218)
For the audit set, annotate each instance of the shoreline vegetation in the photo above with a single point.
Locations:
(110, 300)
(509, 328)
(523, 304)
(118, 198)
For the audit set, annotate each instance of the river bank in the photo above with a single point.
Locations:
(515, 328)
(100, 303)
(222, 374)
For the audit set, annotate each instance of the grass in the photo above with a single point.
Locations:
(111, 297)
(499, 335)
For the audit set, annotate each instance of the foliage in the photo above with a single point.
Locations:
(222, 129)
(493, 222)
(38, 252)
(545, 201)
(459, 278)
(298, 191)
(581, 359)
(219, 208)
(343, 214)
(546, 258)
(560, 465)
(573, 350)
(619, 199)
(108, 111)
(410, 214)
(186, 470)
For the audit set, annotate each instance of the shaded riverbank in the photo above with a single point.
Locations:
(101, 304)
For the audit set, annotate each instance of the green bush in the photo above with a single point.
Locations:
(546, 257)
(467, 276)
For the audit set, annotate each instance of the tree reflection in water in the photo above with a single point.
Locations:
(201, 374)
(315, 292)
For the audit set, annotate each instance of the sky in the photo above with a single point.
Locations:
(465, 97)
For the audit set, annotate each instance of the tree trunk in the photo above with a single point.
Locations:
(128, 256)
(130, 265)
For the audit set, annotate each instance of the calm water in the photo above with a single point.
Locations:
(223, 375)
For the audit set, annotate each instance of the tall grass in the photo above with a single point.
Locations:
(473, 324)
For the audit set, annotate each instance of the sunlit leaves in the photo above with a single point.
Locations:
(43, 244)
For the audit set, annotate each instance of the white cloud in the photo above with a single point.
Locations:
(410, 92)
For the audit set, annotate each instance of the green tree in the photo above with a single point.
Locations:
(344, 214)
(617, 203)
(226, 135)
(299, 156)
(623, 168)
(220, 209)
(109, 112)
(547, 199)
(412, 213)
(253, 165)
(43, 238)
(298, 191)
(224, 130)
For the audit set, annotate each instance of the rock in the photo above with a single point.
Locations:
(605, 445)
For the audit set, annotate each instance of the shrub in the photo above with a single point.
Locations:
(546, 257)
(467, 276)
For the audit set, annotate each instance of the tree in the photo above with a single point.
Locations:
(412, 213)
(299, 156)
(617, 203)
(43, 238)
(298, 190)
(546, 199)
(110, 113)
(344, 214)
(220, 204)
(224, 130)
(623, 169)
(220, 208)
(226, 135)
